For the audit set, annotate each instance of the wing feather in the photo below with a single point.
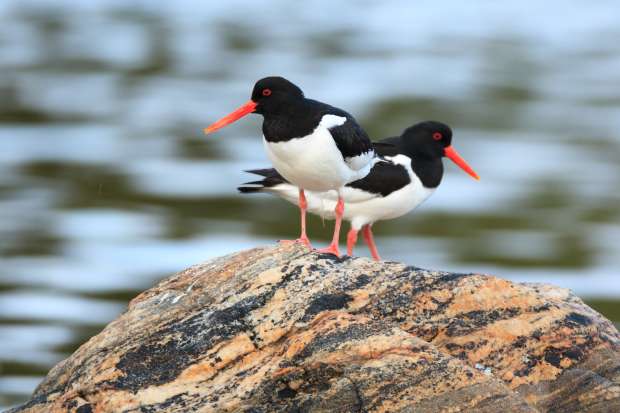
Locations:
(352, 141)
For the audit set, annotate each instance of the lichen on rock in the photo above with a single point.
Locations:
(283, 329)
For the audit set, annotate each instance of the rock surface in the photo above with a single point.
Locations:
(282, 329)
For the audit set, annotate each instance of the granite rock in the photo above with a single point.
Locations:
(283, 329)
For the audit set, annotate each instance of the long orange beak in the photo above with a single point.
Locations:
(248, 107)
(454, 156)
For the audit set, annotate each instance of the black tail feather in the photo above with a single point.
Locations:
(272, 178)
(266, 172)
(261, 183)
(250, 189)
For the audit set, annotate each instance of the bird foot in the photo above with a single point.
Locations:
(301, 240)
(332, 249)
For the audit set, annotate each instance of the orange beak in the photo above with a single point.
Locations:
(248, 107)
(454, 156)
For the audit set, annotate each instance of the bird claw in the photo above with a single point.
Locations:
(332, 249)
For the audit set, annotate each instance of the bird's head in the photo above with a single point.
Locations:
(432, 140)
(270, 95)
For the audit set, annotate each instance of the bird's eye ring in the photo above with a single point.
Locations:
(266, 92)
(437, 136)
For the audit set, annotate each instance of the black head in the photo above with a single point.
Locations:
(432, 140)
(271, 94)
(428, 139)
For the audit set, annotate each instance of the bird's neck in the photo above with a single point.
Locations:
(429, 170)
(289, 108)
(288, 121)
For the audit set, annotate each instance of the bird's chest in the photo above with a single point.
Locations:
(312, 161)
(408, 197)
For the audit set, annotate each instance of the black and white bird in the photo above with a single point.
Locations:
(409, 171)
(313, 145)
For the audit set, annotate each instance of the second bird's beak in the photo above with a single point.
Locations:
(248, 107)
(454, 156)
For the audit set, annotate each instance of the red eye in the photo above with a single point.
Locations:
(266, 92)
(437, 136)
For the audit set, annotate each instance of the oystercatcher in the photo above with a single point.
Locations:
(409, 171)
(313, 145)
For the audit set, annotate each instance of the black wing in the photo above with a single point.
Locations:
(350, 138)
(388, 146)
(384, 178)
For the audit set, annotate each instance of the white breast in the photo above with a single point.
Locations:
(312, 162)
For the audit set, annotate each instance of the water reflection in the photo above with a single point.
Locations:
(107, 183)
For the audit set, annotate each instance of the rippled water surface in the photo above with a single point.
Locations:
(107, 183)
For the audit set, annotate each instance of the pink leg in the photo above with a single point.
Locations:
(367, 231)
(303, 206)
(351, 240)
(333, 247)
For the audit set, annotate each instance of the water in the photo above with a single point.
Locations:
(107, 183)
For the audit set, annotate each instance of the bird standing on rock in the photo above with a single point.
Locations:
(313, 145)
(410, 171)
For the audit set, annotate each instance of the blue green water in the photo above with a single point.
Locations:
(107, 183)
